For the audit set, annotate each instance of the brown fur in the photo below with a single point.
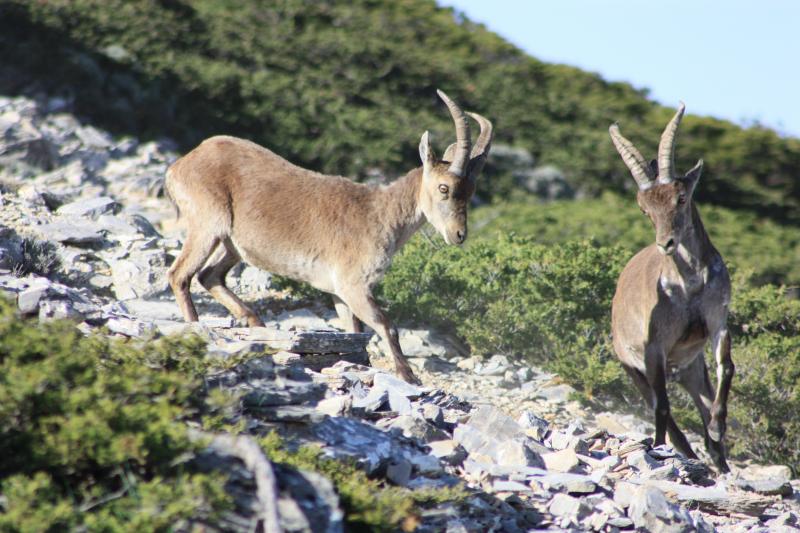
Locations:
(671, 299)
(242, 201)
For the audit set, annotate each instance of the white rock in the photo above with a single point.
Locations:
(562, 461)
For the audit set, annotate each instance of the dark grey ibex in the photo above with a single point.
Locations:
(672, 297)
(242, 201)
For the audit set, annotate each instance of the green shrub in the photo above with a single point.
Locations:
(766, 388)
(770, 253)
(93, 433)
(548, 304)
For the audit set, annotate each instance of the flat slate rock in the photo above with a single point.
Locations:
(308, 342)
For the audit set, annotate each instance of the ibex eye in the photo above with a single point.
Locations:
(444, 189)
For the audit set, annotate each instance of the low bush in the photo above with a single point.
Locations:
(768, 252)
(766, 389)
(547, 304)
(93, 433)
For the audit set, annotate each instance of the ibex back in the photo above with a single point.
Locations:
(241, 201)
(672, 297)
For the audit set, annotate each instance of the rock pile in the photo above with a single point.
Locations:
(86, 234)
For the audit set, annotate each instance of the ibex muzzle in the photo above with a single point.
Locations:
(241, 201)
(673, 297)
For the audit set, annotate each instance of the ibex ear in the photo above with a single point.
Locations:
(448, 154)
(693, 176)
(654, 167)
(426, 152)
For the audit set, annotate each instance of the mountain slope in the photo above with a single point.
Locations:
(347, 87)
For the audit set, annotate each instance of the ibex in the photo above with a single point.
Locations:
(241, 201)
(672, 297)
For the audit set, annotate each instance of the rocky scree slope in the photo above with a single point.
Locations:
(86, 234)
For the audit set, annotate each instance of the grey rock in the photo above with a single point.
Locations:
(500, 485)
(623, 493)
(572, 483)
(77, 234)
(153, 309)
(254, 280)
(448, 451)
(426, 465)
(308, 502)
(387, 382)
(776, 472)
(568, 507)
(433, 414)
(28, 300)
(494, 422)
(621, 522)
(90, 207)
(556, 393)
(562, 461)
(534, 426)
(334, 406)
(514, 453)
(650, 510)
(563, 441)
(418, 428)
(767, 487)
(353, 439)
(141, 275)
(399, 471)
(130, 327)
(666, 472)
(399, 403)
(642, 461)
(373, 401)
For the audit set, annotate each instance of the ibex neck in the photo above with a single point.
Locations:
(400, 212)
(695, 252)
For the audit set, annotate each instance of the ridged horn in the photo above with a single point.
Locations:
(463, 144)
(481, 149)
(633, 159)
(666, 148)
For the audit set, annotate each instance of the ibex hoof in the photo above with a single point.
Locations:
(716, 430)
(408, 376)
(254, 322)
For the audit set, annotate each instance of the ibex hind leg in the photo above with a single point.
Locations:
(676, 436)
(346, 316)
(212, 277)
(196, 250)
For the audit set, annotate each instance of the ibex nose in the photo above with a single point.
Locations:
(461, 236)
(667, 248)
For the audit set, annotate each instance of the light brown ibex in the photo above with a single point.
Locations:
(672, 297)
(241, 201)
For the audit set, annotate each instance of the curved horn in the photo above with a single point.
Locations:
(666, 148)
(461, 156)
(633, 159)
(481, 149)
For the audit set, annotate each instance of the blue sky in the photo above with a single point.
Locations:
(732, 59)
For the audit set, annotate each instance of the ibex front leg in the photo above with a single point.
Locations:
(725, 371)
(655, 363)
(363, 306)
